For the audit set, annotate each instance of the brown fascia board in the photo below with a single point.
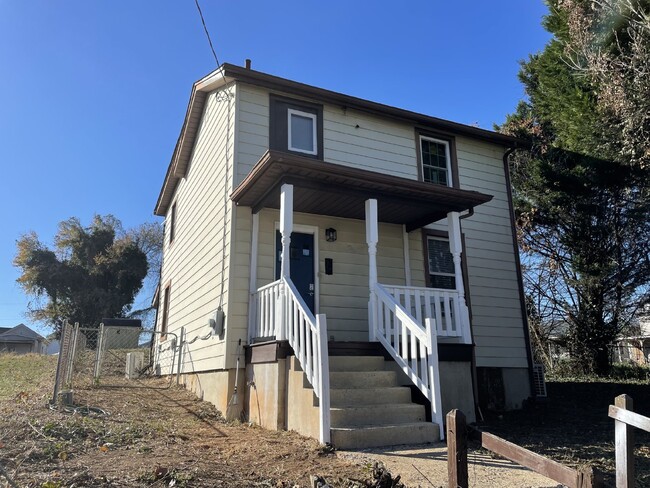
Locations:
(293, 87)
(215, 79)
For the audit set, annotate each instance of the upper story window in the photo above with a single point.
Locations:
(436, 161)
(302, 132)
(296, 126)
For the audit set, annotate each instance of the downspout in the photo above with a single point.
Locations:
(477, 407)
(520, 280)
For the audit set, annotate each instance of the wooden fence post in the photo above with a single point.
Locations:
(457, 450)
(624, 438)
(589, 477)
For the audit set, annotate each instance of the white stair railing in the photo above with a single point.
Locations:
(444, 306)
(267, 299)
(307, 336)
(413, 347)
(282, 314)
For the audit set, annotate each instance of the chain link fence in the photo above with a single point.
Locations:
(114, 355)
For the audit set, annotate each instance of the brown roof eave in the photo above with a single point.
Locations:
(293, 87)
(339, 191)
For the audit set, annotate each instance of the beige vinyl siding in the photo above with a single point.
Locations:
(368, 142)
(343, 296)
(253, 128)
(376, 145)
(497, 322)
(389, 147)
(194, 262)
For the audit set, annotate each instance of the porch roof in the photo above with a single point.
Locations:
(340, 191)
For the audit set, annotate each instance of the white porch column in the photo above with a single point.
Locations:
(286, 227)
(456, 249)
(372, 237)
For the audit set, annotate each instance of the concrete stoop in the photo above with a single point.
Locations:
(370, 409)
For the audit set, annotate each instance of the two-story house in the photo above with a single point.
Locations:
(363, 257)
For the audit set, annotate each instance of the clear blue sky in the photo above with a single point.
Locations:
(93, 93)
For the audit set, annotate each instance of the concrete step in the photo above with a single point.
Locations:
(362, 379)
(357, 363)
(393, 413)
(384, 435)
(341, 397)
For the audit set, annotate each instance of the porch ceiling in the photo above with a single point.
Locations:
(332, 189)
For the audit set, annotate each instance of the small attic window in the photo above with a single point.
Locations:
(302, 132)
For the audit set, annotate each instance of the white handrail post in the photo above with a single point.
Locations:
(286, 228)
(456, 249)
(434, 376)
(323, 378)
(372, 237)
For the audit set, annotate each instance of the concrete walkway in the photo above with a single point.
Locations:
(426, 466)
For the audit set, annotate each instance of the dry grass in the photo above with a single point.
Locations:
(24, 373)
(153, 436)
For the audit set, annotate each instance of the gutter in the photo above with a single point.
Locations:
(520, 280)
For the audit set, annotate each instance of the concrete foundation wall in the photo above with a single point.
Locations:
(456, 388)
(302, 404)
(279, 397)
(265, 394)
(503, 388)
(218, 388)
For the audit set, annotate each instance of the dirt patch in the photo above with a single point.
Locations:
(153, 436)
(147, 434)
(426, 466)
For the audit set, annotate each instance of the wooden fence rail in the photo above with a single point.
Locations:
(457, 434)
(626, 420)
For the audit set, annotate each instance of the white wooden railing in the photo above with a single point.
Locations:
(451, 315)
(267, 299)
(283, 314)
(414, 347)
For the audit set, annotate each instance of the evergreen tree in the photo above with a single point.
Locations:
(581, 200)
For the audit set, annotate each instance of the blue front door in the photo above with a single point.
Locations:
(301, 267)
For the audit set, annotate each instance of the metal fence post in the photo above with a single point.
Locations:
(98, 355)
(181, 340)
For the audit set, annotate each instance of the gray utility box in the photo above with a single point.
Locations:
(134, 362)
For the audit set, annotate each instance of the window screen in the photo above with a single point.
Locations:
(302, 132)
(441, 264)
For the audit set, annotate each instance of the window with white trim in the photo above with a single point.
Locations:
(302, 128)
(441, 264)
(436, 161)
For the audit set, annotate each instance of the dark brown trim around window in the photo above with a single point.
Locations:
(278, 123)
(426, 233)
(165, 315)
(448, 138)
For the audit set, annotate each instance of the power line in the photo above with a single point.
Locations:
(205, 28)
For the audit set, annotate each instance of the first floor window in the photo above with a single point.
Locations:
(441, 264)
(302, 132)
(436, 163)
(165, 313)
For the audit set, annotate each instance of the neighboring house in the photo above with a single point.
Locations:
(328, 229)
(21, 340)
(635, 347)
